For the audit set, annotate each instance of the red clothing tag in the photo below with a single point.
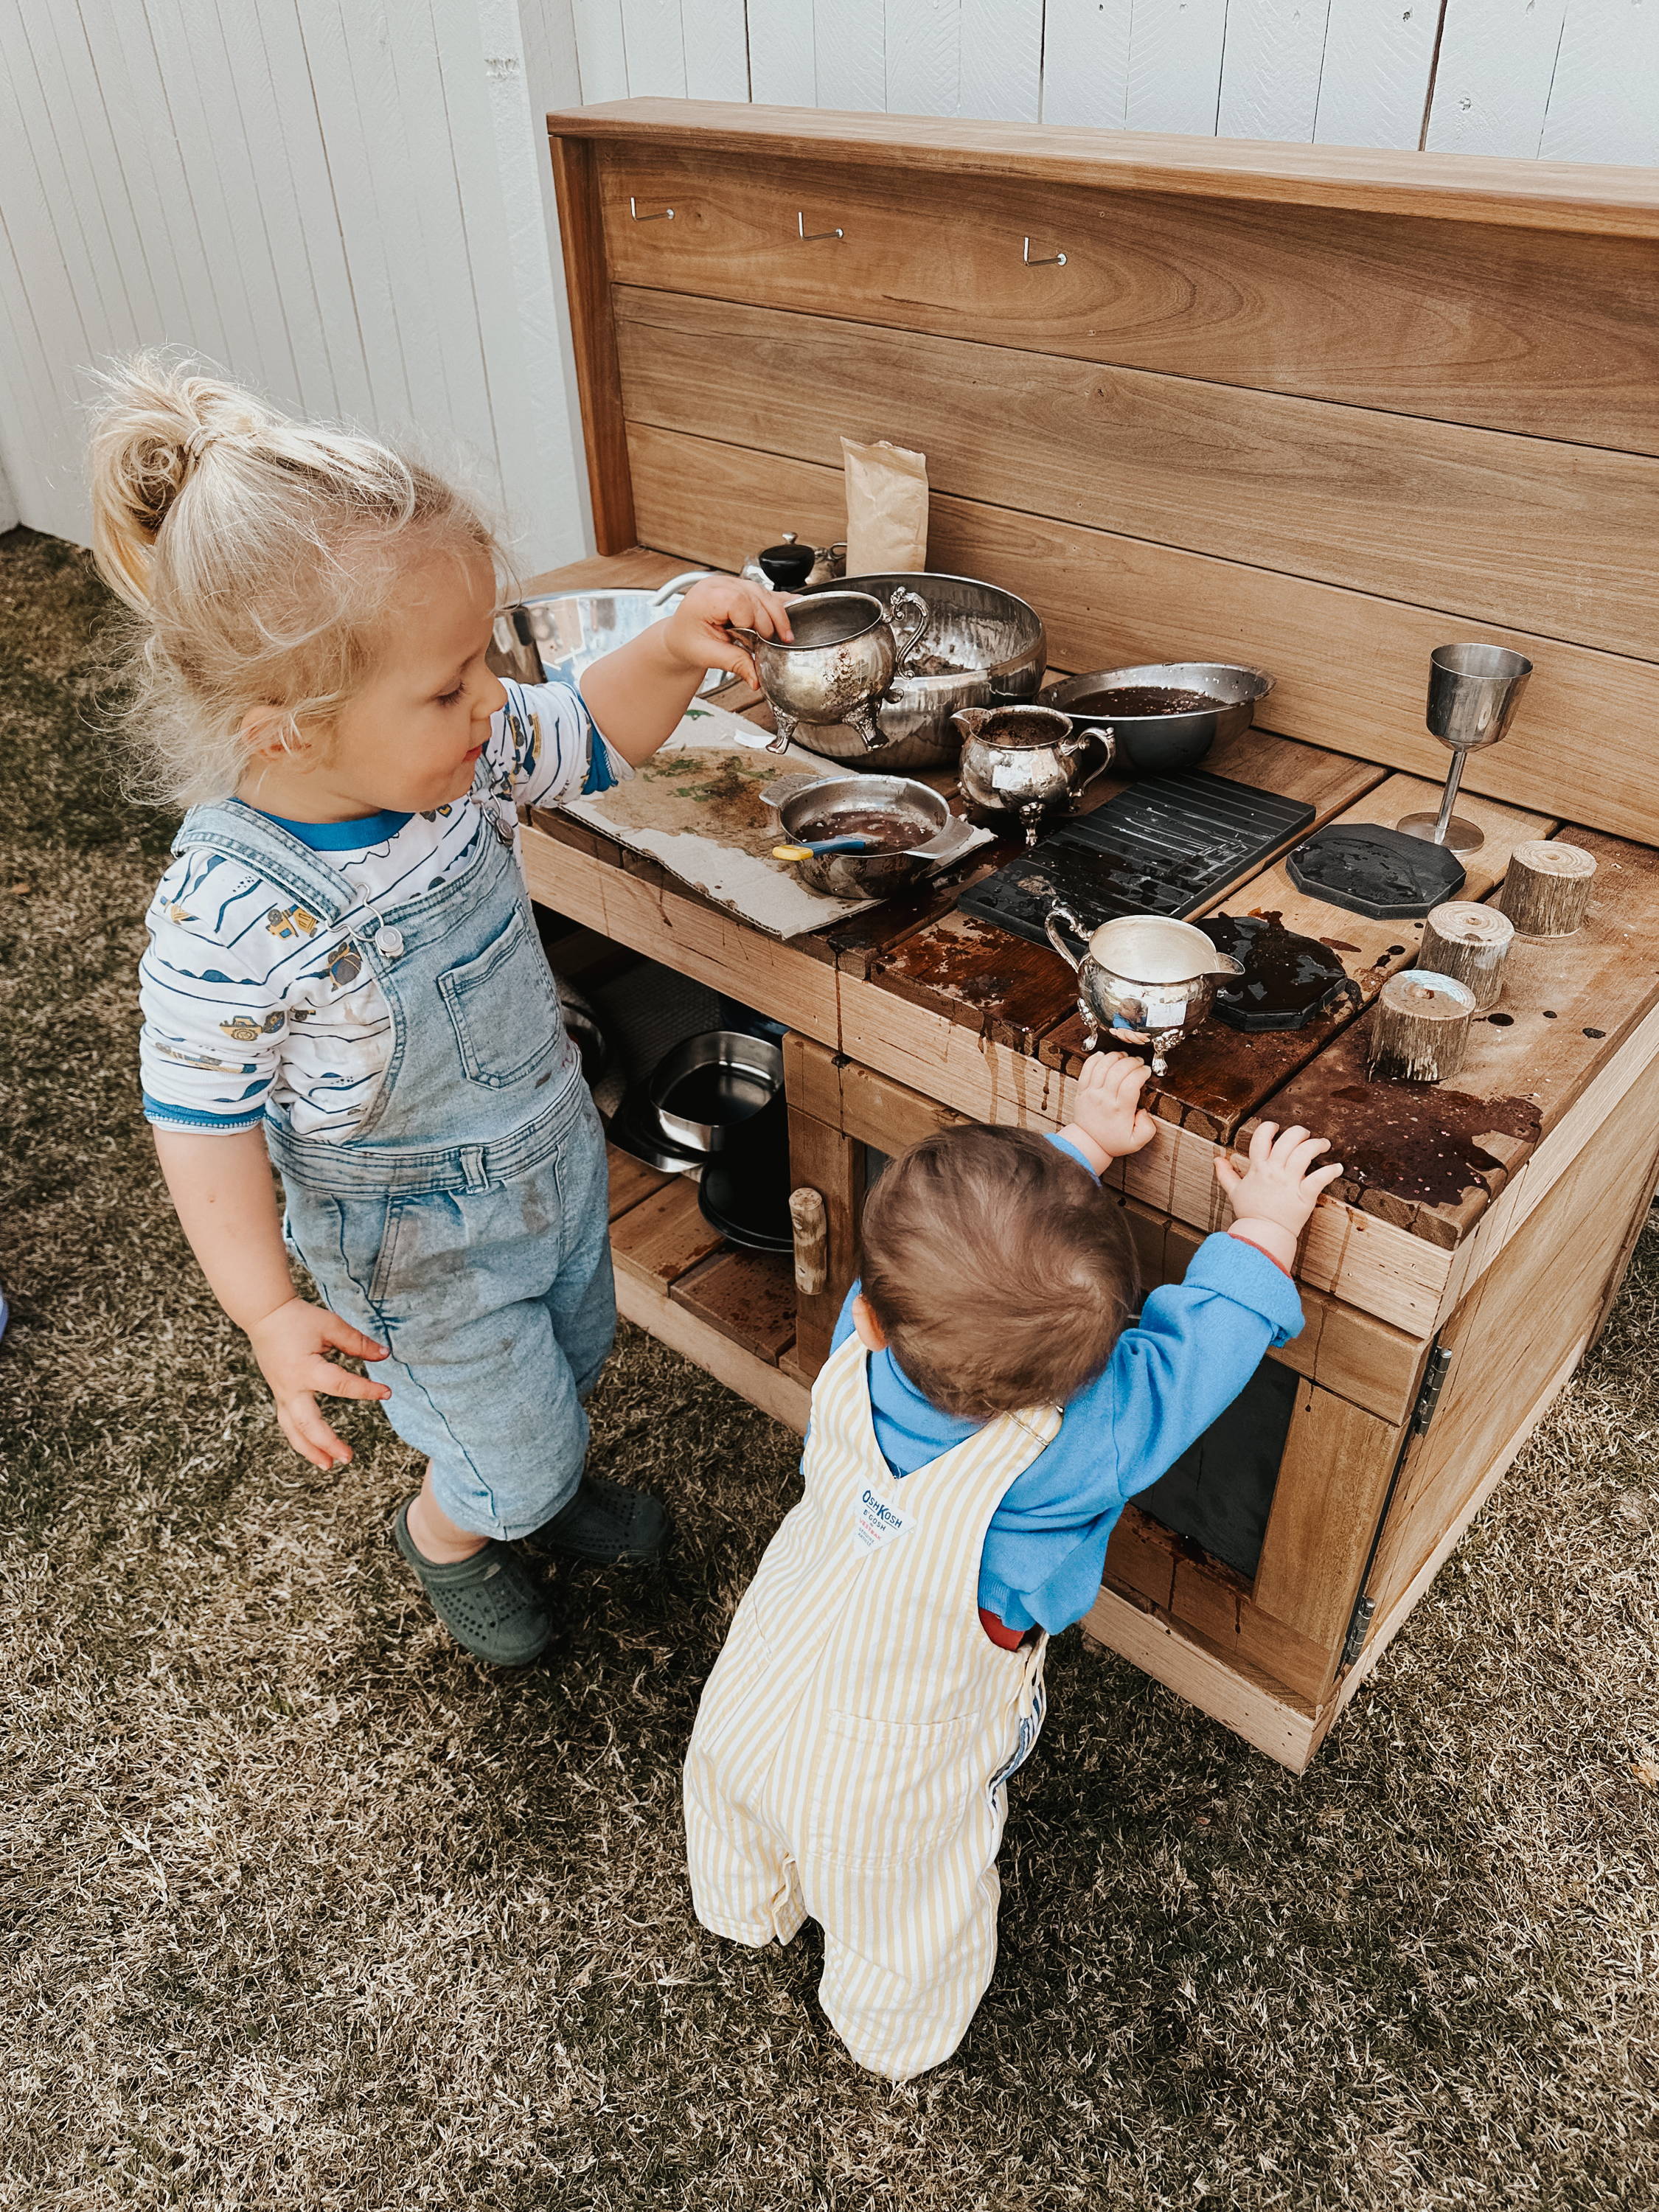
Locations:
(1005, 1639)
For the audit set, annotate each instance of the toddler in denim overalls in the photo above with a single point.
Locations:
(344, 976)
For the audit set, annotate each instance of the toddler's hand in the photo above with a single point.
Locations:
(289, 1345)
(1282, 1184)
(696, 632)
(1108, 1109)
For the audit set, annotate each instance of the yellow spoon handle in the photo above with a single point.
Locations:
(792, 852)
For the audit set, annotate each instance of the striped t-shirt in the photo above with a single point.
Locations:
(248, 1008)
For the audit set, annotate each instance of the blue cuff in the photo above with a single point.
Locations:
(1063, 1145)
(601, 775)
(161, 1115)
(1239, 1272)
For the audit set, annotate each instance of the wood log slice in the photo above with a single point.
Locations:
(1547, 889)
(809, 1219)
(1470, 944)
(1421, 1030)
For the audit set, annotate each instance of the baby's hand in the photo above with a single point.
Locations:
(1108, 1109)
(289, 1345)
(696, 632)
(1282, 1184)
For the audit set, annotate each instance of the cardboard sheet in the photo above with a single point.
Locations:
(695, 808)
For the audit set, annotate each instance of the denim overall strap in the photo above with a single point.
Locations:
(479, 1059)
(240, 833)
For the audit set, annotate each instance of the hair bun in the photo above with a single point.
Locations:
(157, 419)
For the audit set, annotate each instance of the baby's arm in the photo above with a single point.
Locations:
(638, 694)
(226, 1201)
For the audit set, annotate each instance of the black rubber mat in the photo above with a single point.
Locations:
(1162, 846)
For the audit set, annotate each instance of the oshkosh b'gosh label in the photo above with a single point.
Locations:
(875, 1522)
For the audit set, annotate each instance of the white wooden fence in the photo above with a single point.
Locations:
(1570, 80)
(347, 203)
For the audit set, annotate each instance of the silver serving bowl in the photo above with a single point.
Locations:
(837, 661)
(1162, 745)
(552, 639)
(996, 650)
(821, 805)
(709, 1086)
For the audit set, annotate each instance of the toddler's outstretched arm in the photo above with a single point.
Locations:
(638, 694)
(226, 1201)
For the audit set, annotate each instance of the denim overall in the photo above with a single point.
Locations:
(465, 1224)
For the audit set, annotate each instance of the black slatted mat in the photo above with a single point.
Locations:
(1163, 845)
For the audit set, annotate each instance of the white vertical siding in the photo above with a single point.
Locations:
(341, 202)
(1574, 79)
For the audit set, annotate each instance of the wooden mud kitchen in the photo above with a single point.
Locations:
(1311, 412)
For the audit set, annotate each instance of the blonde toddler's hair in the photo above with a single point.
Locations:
(258, 556)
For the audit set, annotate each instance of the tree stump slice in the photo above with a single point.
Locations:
(1421, 1029)
(1470, 944)
(1547, 891)
(809, 1220)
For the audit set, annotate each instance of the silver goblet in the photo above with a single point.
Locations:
(1473, 690)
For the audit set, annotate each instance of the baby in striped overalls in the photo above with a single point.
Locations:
(986, 1410)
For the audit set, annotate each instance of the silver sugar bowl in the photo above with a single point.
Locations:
(1026, 761)
(839, 662)
(1143, 979)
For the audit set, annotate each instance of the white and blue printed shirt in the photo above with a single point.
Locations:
(242, 1017)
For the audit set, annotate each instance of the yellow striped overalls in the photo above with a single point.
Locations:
(854, 1740)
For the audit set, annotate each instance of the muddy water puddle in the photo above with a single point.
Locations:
(1421, 1143)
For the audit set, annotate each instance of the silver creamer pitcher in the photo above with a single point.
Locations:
(1144, 979)
(1027, 761)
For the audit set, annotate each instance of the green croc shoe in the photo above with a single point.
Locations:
(491, 1604)
(607, 1522)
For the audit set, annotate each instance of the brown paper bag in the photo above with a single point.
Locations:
(886, 508)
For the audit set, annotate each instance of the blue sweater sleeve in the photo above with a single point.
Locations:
(1197, 1343)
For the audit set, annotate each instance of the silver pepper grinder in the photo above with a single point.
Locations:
(1474, 691)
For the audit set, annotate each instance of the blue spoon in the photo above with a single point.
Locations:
(810, 849)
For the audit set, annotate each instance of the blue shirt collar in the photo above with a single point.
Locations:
(353, 836)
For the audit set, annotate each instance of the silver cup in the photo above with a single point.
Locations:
(1474, 691)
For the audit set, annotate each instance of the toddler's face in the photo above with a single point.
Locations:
(410, 739)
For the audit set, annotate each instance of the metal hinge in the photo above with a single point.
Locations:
(1358, 1628)
(1434, 1381)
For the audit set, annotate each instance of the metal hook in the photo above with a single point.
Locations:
(1044, 260)
(663, 214)
(807, 236)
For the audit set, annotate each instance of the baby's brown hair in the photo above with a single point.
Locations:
(1001, 1272)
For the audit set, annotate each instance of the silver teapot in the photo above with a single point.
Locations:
(1027, 761)
(1144, 979)
(839, 663)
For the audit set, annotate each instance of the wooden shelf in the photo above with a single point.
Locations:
(732, 1312)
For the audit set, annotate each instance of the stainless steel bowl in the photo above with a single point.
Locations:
(815, 804)
(554, 638)
(704, 1090)
(1162, 745)
(997, 650)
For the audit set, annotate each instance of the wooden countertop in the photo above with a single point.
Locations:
(985, 1024)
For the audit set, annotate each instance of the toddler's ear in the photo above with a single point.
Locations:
(267, 733)
(868, 1330)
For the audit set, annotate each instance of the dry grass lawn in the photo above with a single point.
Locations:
(305, 1910)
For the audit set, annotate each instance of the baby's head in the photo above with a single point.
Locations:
(998, 1269)
(306, 598)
